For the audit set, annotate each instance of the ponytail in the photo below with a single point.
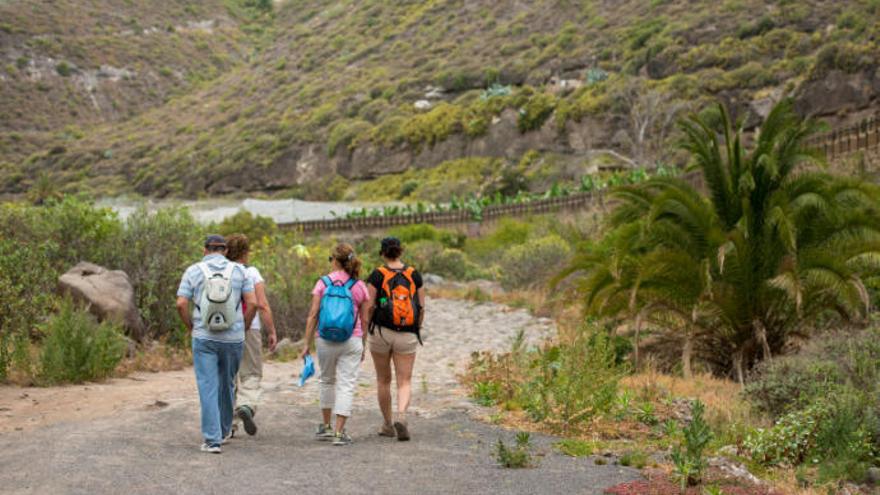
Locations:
(344, 254)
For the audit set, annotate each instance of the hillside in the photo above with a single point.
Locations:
(176, 98)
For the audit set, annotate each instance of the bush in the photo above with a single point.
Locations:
(787, 382)
(534, 262)
(509, 232)
(790, 440)
(427, 232)
(290, 271)
(571, 383)
(77, 348)
(688, 456)
(255, 227)
(154, 250)
(536, 111)
(344, 135)
(432, 257)
(518, 456)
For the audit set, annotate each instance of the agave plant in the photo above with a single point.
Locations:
(771, 245)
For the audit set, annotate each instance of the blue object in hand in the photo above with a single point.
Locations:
(308, 369)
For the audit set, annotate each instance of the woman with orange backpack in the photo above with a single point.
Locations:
(397, 315)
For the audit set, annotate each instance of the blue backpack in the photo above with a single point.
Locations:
(336, 319)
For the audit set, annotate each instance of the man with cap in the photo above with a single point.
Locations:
(216, 352)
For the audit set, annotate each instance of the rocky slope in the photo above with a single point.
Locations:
(345, 91)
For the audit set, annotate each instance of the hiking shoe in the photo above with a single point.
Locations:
(341, 438)
(324, 433)
(246, 416)
(211, 449)
(387, 431)
(402, 431)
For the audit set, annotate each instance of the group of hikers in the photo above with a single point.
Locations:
(222, 302)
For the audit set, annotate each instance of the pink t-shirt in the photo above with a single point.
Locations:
(358, 293)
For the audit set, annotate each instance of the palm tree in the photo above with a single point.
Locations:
(771, 246)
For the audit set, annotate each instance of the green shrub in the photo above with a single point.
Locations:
(154, 250)
(77, 348)
(791, 439)
(344, 134)
(27, 281)
(255, 227)
(687, 457)
(432, 257)
(509, 232)
(518, 456)
(536, 111)
(571, 383)
(427, 232)
(63, 69)
(534, 262)
(635, 458)
(787, 382)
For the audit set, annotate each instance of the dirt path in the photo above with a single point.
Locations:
(140, 434)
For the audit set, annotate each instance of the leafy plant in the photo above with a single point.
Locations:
(687, 456)
(746, 265)
(77, 348)
(635, 458)
(516, 456)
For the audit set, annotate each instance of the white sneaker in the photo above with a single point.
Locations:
(211, 449)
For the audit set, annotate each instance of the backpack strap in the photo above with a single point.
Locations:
(348, 285)
(327, 281)
(227, 272)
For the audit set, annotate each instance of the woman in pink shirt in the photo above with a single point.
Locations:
(339, 362)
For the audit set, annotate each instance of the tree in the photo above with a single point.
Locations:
(736, 271)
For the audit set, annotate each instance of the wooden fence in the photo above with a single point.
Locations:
(835, 145)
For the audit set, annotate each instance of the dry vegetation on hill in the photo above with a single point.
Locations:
(220, 96)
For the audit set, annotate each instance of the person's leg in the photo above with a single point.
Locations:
(248, 381)
(347, 367)
(403, 370)
(382, 363)
(230, 359)
(205, 364)
(251, 372)
(328, 353)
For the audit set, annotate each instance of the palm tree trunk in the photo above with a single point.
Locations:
(761, 335)
(638, 332)
(738, 367)
(686, 353)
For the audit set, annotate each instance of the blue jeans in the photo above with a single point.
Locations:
(216, 364)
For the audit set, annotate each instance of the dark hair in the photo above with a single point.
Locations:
(344, 255)
(391, 248)
(237, 247)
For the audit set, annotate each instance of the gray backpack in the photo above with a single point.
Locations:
(217, 307)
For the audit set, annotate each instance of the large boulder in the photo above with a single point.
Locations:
(108, 294)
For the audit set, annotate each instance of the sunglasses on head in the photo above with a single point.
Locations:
(330, 258)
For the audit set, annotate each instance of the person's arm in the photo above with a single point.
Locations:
(183, 311)
(251, 301)
(364, 311)
(266, 314)
(311, 325)
(367, 316)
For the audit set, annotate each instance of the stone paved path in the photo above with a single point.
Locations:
(153, 448)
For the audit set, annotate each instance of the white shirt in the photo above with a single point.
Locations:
(254, 275)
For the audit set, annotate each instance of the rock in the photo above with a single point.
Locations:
(432, 279)
(874, 476)
(734, 470)
(728, 451)
(835, 93)
(433, 93)
(422, 105)
(284, 345)
(108, 295)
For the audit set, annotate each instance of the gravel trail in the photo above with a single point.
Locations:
(146, 440)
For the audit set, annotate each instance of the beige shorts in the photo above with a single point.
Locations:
(383, 341)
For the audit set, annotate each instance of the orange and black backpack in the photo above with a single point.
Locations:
(397, 305)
